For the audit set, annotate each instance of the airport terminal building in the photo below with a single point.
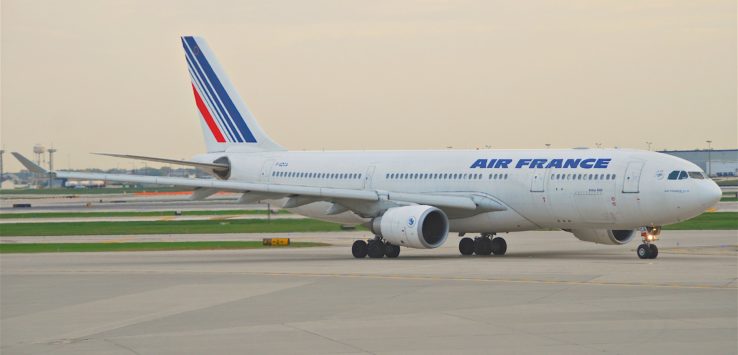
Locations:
(715, 162)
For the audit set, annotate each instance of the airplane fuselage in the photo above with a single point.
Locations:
(551, 188)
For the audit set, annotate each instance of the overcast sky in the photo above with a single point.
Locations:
(110, 76)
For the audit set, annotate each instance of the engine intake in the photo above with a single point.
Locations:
(420, 227)
(605, 236)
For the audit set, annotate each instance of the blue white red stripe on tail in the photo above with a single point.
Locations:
(217, 107)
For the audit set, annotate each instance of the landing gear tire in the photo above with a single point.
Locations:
(466, 246)
(359, 249)
(391, 251)
(499, 246)
(375, 249)
(644, 251)
(482, 246)
(653, 252)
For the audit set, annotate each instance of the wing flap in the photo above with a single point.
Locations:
(319, 193)
(227, 185)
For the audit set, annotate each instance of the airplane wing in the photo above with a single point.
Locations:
(364, 202)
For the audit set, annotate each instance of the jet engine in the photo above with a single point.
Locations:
(605, 236)
(420, 227)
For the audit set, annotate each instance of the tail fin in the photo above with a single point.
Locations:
(227, 123)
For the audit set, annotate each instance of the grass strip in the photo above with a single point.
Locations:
(153, 246)
(134, 214)
(731, 182)
(708, 221)
(729, 199)
(167, 227)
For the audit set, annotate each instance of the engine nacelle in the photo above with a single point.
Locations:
(420, 227)
(605, 236)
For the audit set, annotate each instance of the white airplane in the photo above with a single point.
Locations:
(416, 198)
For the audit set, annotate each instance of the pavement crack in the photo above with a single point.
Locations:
(326, 338)
(121, 346)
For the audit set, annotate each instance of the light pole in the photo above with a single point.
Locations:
(649, 145)
(709, 157)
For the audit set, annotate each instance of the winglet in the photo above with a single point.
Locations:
(31, 166)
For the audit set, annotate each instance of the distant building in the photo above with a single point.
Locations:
(718, 163)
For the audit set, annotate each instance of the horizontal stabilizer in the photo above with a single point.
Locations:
(28, 164)
(168, 161)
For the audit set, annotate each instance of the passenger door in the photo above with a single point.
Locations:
(368, 177)
(632, 177)
(266, 170)
(537, 181)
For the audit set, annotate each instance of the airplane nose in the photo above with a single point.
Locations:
(712, 195)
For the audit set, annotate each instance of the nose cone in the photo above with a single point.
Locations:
(711, 195)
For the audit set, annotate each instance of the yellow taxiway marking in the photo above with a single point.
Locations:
(119, 240)
(222, 217)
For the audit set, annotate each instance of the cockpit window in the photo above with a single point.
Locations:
(696, 175)
(677, 175)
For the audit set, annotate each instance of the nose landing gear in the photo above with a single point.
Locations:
(648, 250)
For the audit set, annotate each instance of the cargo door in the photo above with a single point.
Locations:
(632, 177)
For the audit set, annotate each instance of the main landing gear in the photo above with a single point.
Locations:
(374, 248)
(483, 245)
(648, 250)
